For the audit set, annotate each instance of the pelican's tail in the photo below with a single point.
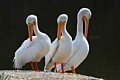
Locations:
(59, 67)
(67, 67)
(17, 64)
(49, 66)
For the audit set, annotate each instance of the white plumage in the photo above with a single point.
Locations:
(80, 44)
(34, 48)
(61, 47)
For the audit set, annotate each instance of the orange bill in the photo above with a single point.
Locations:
(30, 31)
(86, 26)
(59, 31)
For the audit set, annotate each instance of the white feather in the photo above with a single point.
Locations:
(80, 44)
(60, 50)
(50, 54)
(32, 51)
(80, 52)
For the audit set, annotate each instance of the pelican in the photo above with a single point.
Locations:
(80, 44)
(61, 47)
(34, 48)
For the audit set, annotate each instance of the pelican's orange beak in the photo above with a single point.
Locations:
(30, 30)
(60, 28)
(86, 26)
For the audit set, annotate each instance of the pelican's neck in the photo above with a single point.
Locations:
(36, 30)
(64, 31)
(79, 27)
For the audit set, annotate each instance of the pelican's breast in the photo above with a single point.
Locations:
(79, 52)
(63, 51)
(45, 43)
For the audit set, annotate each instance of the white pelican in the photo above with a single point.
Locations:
(34, 48)
(61, 46)
(80, 44)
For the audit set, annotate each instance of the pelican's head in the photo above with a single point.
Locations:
(31, 21)
(61, 20)
(85, 14)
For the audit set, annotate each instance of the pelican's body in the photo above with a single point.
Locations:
(34, 48)
(80, 44)
(60, 48)
(79, 53)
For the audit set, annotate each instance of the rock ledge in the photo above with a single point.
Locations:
(31, 75)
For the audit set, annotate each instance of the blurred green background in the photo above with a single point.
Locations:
(104, 37)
